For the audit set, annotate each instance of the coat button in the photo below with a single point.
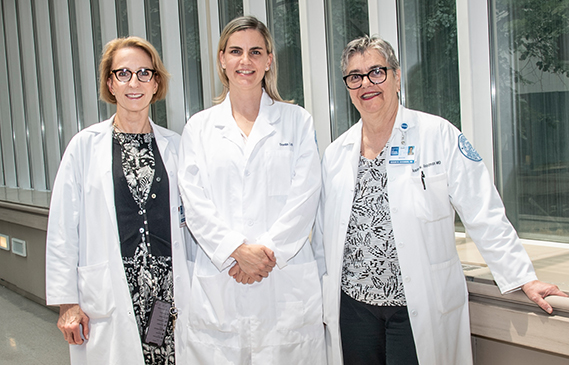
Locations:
(414, 313)
(141, 230)
(158, 179)
(394, 209)
(407, 279)
(247, 172)
(401, 245)
(250, 223)
(153, 196)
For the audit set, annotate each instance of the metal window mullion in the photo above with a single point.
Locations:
(172, 56)
(86, 58)
(209, 36)
(475, 79)
(191, 60)
(31, 87)
(257, 8)
(383, 21)
(76, 61)
(8, 162)
(16, 86)
(315, 68)
(63, 63)
(46, 86)
(136, 18)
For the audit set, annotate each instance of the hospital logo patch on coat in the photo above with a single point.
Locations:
(467, 150)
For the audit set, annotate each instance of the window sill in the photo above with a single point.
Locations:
(25, 197)
(513, 318)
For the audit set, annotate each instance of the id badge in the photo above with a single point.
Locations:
(402, 155)
(159, 317)
(182, 216)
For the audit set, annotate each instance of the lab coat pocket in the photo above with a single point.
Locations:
(278, 165)
(449, 285)
(96, 296)
(212, 304)
(432, 201)
(298, 296)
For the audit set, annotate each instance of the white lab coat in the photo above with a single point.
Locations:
(83, 256)
(423, 227)
(264, 192)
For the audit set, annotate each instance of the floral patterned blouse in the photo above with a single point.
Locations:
(371, 272)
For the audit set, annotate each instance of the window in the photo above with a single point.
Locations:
(283, 23)
(345, 21)
(530, 39)
(429, 57)
(191, 57)
(229, 10)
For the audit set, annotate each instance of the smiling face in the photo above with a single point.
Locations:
(245, 60)
(373, 100)
(132, 96)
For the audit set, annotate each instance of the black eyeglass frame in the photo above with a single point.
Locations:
(131, 73)
(369, 78)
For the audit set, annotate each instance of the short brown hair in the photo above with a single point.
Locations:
(244, 23)
(162, 75)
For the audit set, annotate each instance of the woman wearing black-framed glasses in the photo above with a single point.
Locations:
(115, 240)
(394, 289)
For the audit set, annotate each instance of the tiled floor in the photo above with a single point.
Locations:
(29, 335)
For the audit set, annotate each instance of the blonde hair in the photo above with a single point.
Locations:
(161, 74)
(244, 23)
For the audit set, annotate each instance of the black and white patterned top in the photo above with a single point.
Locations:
(141, 202)
(137, 163)
(371, 272)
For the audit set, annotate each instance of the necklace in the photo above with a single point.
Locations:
(117, 129)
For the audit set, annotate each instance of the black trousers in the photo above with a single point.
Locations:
(375, 335)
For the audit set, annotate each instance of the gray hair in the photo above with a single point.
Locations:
(365, 43)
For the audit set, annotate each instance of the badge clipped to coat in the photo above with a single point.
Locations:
(402, 154)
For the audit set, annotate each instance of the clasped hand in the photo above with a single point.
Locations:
(254, 262)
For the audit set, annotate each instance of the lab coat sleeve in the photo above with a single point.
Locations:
(290, 231)
(62, 246)
(318, 231)
(477, 202)
(213, 235)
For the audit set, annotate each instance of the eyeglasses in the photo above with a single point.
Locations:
(376, 76)
(143, 75)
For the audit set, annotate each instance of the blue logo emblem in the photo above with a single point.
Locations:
(467, 150)
(404, 126)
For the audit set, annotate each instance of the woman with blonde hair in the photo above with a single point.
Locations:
(114, 230)
(250, 180)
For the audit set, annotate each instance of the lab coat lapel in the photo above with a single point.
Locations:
(163, 144)
(264, 124)
(105, 160)
(226, 125)
(352, 146)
